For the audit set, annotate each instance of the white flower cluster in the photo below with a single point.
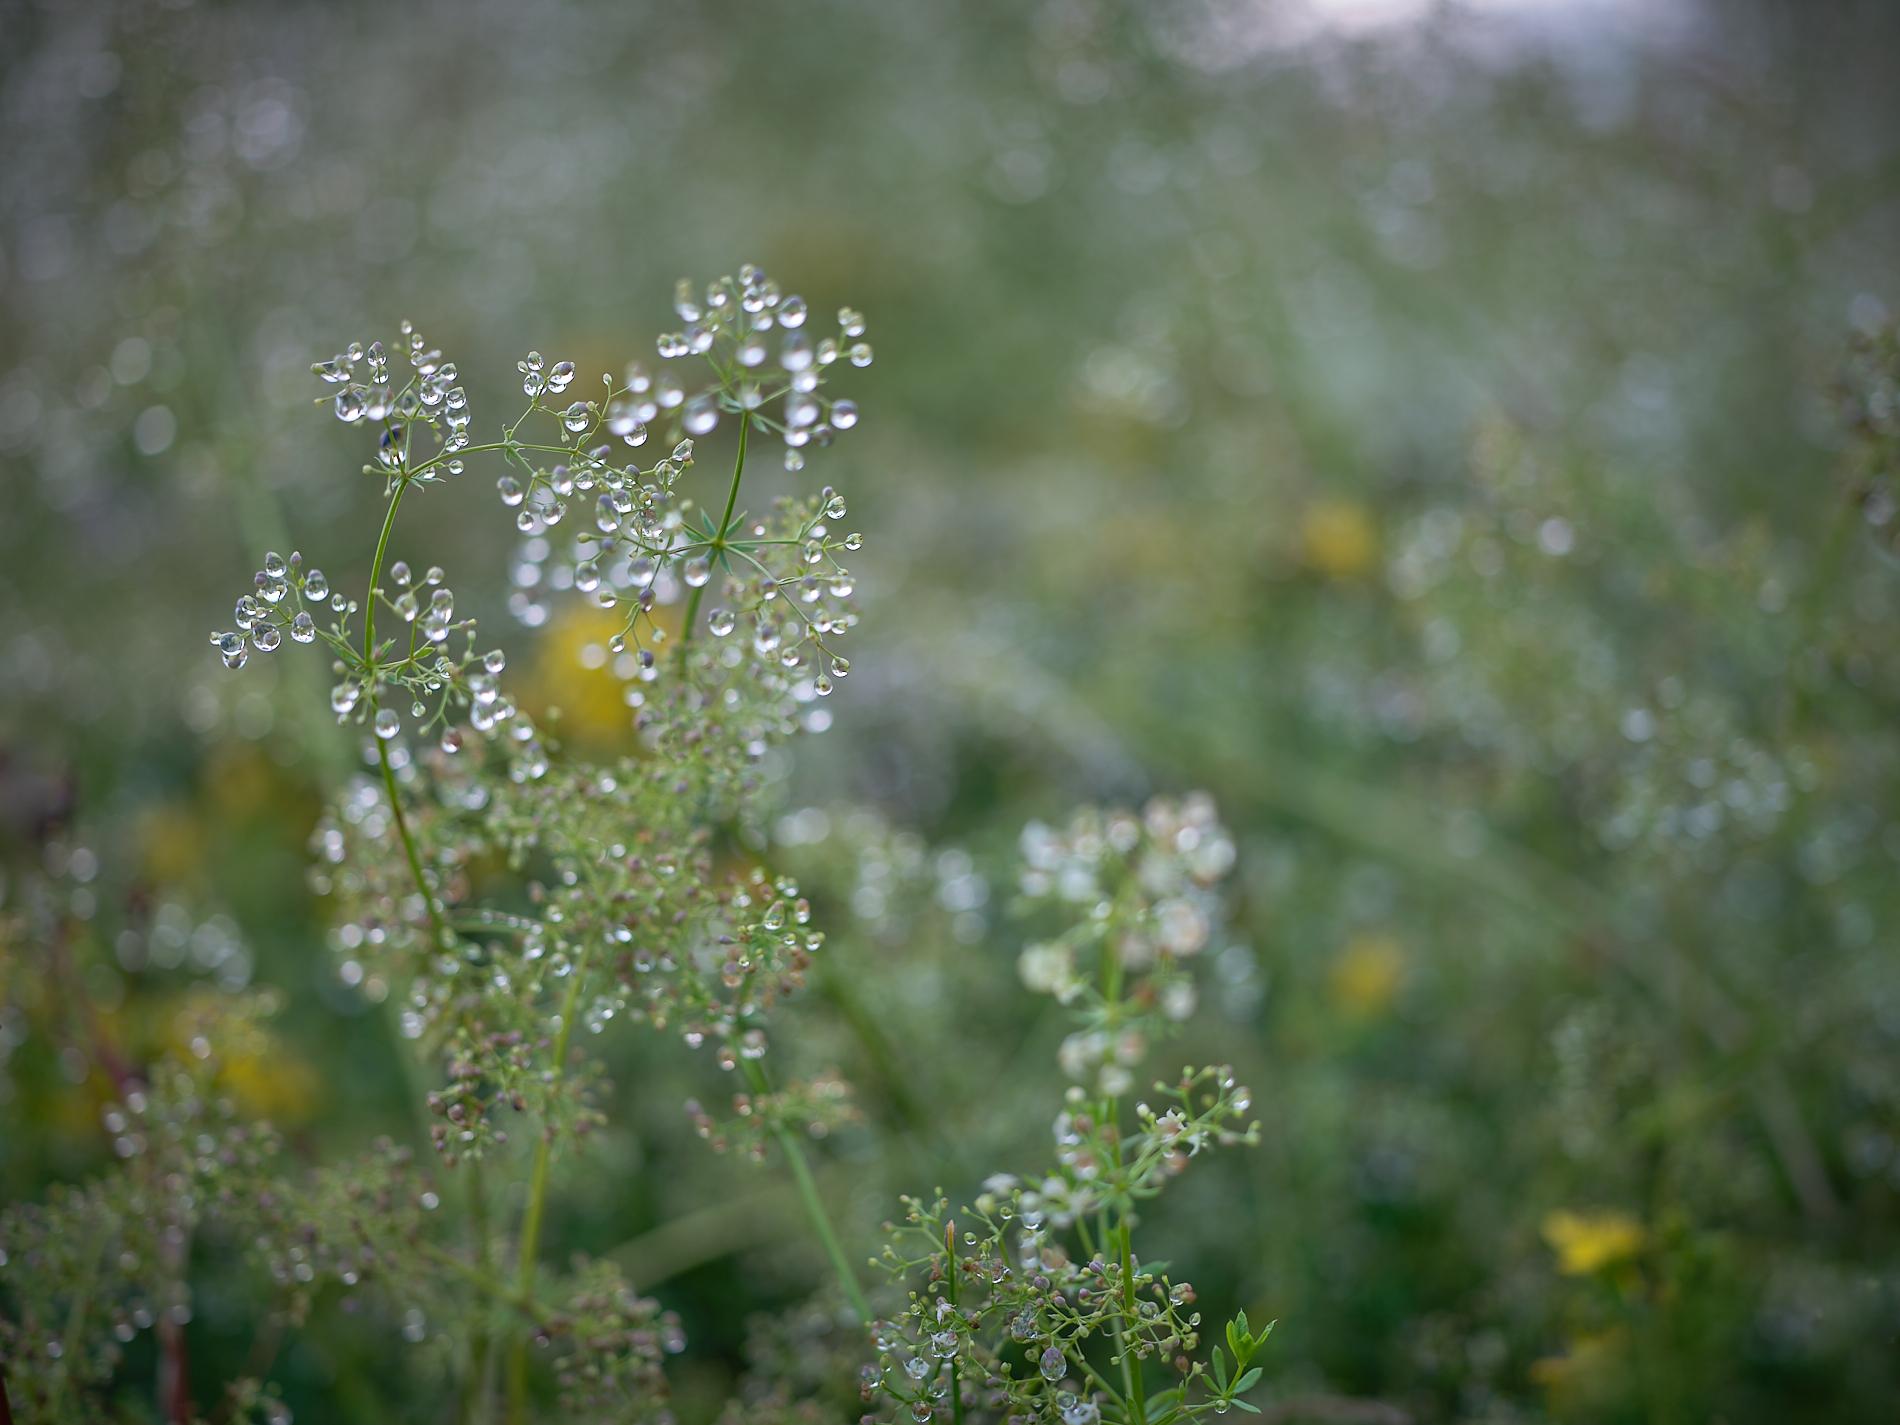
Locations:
(766, 366)
(368, 393)
(1146, 885)
(282, 595)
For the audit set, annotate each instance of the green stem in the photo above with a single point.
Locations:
(376, 571)
(870, 1037)
(537, 1199)
(950, 1280)
(475, 1401)
(409, 844)
(814, 1205)
(1102, 1383)
(487, 1283)
(478, 1201)
(1131, 1368)
(719, 539)
(382, 745)
(1122, 1234)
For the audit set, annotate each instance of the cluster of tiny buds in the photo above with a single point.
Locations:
(1173, 845)
(276, 606)
(363, 372)
(623, 501)
(733, 326)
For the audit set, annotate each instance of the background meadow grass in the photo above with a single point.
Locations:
(1416, 429)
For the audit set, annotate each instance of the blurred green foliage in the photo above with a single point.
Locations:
(1424, 435)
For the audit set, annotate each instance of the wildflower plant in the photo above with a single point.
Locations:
(510, 903)
(1031, 1302)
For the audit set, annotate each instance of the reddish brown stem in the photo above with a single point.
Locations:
(174, 1377)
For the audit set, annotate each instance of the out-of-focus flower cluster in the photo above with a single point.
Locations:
(783, 591)
(814, 1107)
(94, 1267)
(1144, 888)
(754, 338)
(1006, 1296)
(1869, 398)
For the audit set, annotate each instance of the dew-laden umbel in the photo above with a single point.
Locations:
(618, 906)
(499, 893)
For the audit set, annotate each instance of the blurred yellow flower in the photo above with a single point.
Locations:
(1585, 1361)
(275, 1085)
(171, 844)
(240, 781)
(571, 672)
(1337, 538)
(253, 1066)
(1366, 975)
(1587, 1242)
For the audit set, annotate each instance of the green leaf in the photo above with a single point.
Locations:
(1163, 1407)
(1250, 1409)
(1220, 1370)
(1247, 1380)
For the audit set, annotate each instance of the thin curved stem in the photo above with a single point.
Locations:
(1131, 1368)
(478, 1207)
(382, 745)
(814, 1204)
(409, 844)
(950, 1282)
(537, 1199)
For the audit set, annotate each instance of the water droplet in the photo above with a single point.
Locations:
(700, 416)
(231, 649)
(685, 302)
(623, 419)
(388, 723)
(721, 622)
